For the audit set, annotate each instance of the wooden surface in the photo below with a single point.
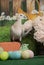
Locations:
(5, 6)
(16, 5)
(30, 5)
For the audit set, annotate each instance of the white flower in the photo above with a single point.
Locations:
(8, 18)
(39, 29)
(39, 36)
(39, 23)
(2, 18)
(3, 13)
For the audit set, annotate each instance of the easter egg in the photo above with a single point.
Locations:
(0, 55)
(4, 55)
(25, 54)
(17, 54)
(31, 53)
(1, 50)
(11, 55)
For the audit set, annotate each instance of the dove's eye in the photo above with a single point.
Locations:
(20, 15)
(40, 19)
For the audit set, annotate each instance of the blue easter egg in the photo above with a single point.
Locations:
(11, 55)
(17, 54)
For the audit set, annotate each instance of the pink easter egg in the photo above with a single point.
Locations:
(31, 53)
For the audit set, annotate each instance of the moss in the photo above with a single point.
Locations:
(31, 41)
(4, 34)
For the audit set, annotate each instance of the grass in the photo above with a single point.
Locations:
(5, 31)
(4, 34)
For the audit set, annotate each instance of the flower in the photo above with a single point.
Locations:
(39, 29)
